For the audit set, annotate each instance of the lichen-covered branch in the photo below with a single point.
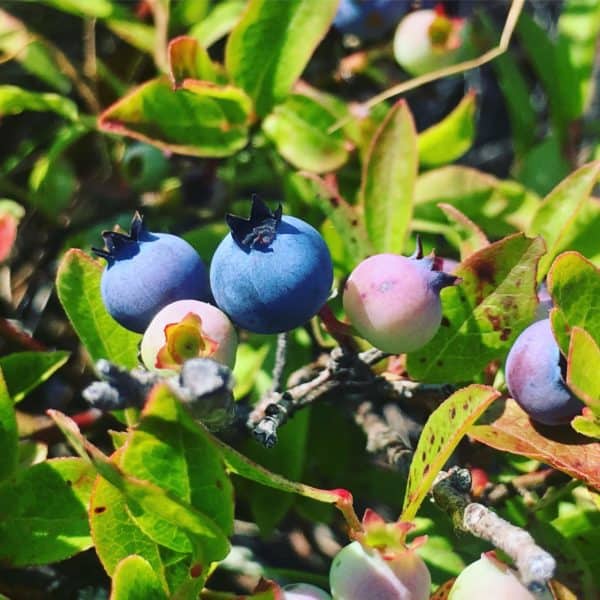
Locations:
(536, 566)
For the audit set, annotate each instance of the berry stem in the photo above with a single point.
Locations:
(341, 332)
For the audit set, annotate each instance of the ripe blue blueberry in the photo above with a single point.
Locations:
(369, 19)
(535, 376)
(271, 273)
(146, 271)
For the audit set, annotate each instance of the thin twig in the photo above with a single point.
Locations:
(280, 360)
(536, 566)
(516, 8)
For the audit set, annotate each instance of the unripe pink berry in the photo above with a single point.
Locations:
(358, 573)
(304, 591)
(393, 301)
(489, 579)
(188, 329)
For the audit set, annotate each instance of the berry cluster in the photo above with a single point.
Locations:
(270, 274)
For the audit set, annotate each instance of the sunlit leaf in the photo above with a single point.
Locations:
(388, 180)
(583, 380)
(449, 139)
(280, 38)
(483, 313)
(443, 431)
(24, 371)
(574, 284)
(78, 287)
(43, 512)
(15, 100)
(135, 579)
(201, 119)
(9, 434)
(557, 214)
(298, 128)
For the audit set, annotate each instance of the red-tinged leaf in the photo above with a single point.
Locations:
(559, 447)
(585, 382)
(494, 301)
(443, 592)
(202, 119)
(8, 235)
(472, 236)
(443, 431)
(388, 180)
(188, 59)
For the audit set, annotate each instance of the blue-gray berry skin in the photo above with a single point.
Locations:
(535, 378)
(146, 271)
(369, 19)
(271, 273)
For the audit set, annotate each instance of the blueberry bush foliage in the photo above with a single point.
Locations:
(336, 413)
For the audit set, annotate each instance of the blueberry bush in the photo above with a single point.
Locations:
(301, 299)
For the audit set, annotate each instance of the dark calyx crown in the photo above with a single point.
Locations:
(433, 263)
(115, 241)
(260, 229)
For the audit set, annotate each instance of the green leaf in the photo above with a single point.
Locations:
(588, 426)
(574, 284)
(498, 207)
(31, 453)
(135, 579)
(248, 363)
(33, 53)
(169, 452)
(471, 237)
(78, 287)
(269, 47)
(24, 371)
(244, 467)
(189, 59)
(543, 166)
(115, 533)
(515, 89)
(549, 65)
(388, 180)
(585, 382)
(43, 513)
(15, 100)
(578, 31)
(444, 429)
(83, 8)
(52, 184)
(201, 119)
(144, 496)
(219, 22)
(269, 506)
(9, 434)
(298, 128)
(346, 219)
(483, 314)
(557, 214)
(52, 180)
(449, 139)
